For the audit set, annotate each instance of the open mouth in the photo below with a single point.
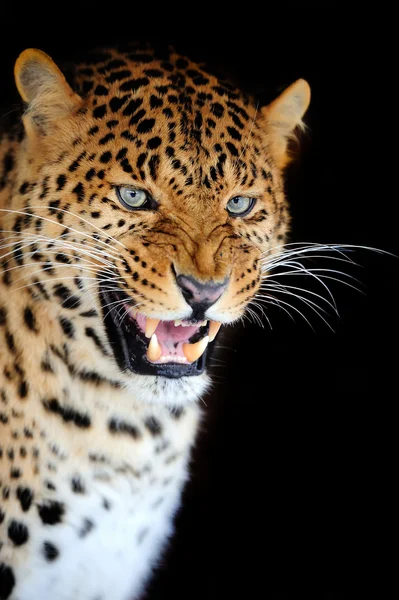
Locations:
(153, 347)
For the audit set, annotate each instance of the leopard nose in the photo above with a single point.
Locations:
(200, 295)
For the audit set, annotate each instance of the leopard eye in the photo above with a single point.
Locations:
(135, 198)
(239, 206)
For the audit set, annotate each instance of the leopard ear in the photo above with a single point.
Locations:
(44, 88)
(283, 116)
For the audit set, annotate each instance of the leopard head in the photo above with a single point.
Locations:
(159, 187)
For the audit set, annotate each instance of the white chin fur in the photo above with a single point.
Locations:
(170, 392)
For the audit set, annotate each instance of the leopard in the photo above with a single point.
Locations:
(138, 195)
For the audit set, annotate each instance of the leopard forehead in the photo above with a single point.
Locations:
(167, 125)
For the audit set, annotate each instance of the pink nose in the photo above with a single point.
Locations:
(198, 294)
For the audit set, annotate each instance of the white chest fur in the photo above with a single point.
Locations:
(118, 508)
(106, 547)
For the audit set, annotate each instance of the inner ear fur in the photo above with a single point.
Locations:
(283, 116)
(45, 90)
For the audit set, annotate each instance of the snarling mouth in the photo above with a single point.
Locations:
(153, 347)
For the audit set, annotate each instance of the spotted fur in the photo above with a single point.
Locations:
(93, 458)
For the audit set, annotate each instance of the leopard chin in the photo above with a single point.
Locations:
(158, 389)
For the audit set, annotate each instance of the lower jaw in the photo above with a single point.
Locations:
(130, 348)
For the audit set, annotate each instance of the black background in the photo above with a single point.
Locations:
(290, 490)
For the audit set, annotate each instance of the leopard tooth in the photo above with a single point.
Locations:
(178, 322)
(214, 327)
(154, 350)
(193, 351)
(150, 326)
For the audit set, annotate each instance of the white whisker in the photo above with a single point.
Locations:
(83, 278)
(273, 285)
(295, 309)
(260, 308)
(67, 226)
(77, 247)
(37, 238)
(312, 305)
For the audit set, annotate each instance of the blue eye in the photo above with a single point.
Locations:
(240, 206)
(132, 198)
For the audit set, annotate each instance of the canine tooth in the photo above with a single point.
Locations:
(178, 322)
(150, 326)
(193, 351)
(204, 322)
(154, 350)
(214, 327)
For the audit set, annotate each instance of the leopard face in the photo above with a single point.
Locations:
(147, 198)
